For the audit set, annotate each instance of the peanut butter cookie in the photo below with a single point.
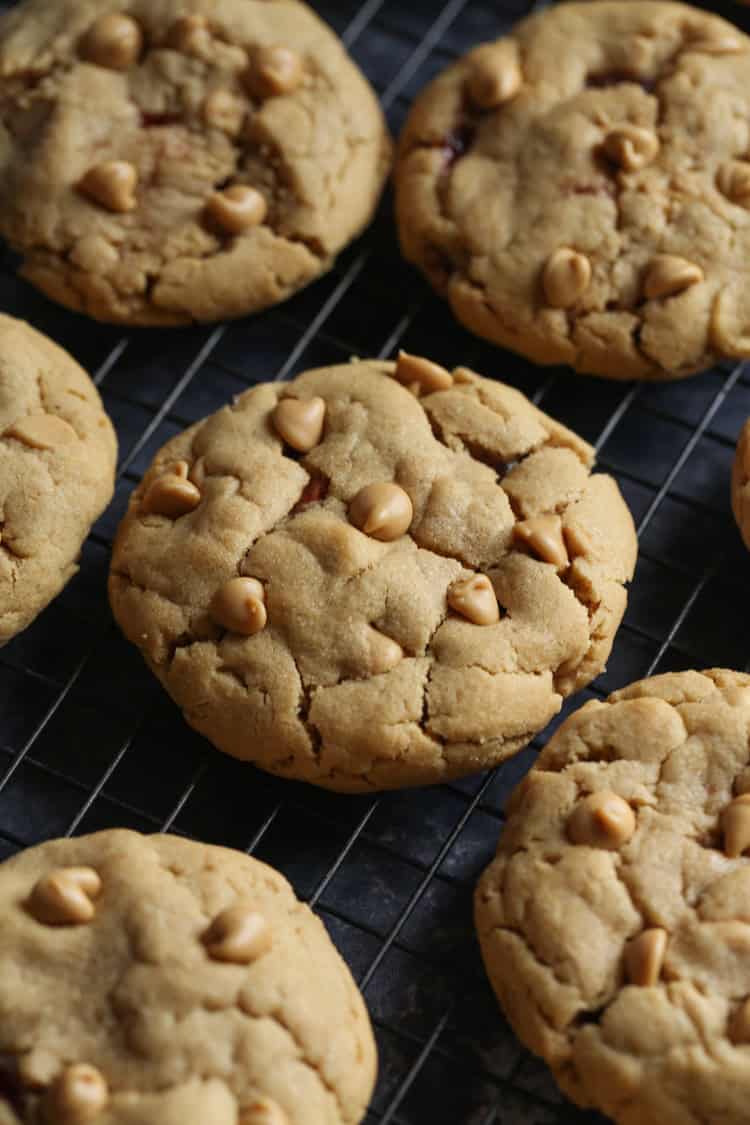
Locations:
(149, 979)
(378, 575)
(741, 484)
(57, 465)
(169, 162)
(614, 922)
(580, 190)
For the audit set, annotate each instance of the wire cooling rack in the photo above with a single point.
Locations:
(88, 740)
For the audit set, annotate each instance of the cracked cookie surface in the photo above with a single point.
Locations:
(580, 191)
(57, 464)
(406, 601)
(614, 921)
(159, 168)
(194, 988)
(741, 484)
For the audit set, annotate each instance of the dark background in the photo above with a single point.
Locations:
(88, 740)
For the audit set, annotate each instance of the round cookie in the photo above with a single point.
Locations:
(358, 587)
(614, 922)
(169, 162)
(741, 484)
(57, 464)
(154, 979)
(580, 190)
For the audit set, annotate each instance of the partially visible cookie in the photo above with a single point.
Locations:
(741, 484)
(57, 462)
(169, 162)
(153, 979)
(376, 575)
(580, 190)
(614, 922)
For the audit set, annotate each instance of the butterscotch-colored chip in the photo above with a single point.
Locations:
(544, 537)
(644, 957)
(668, 275)
(421, 375)
(494, 74)
(602, 820)
(224, 110)
(631, 146)
(274, 71)
(112, 185)
(239, 934)
(237, 208)
(42, 431)
(79, 1094)
(299, 422)
(566, 277)
(172, 494)
(66, 897)
(114, 40)
(735, 823)
(385, 653)
(239, 606)
(189, 34)
(475, 599)
(733, 180)
(383, 511)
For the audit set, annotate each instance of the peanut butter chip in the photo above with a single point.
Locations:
(735, 824)
(421, 375)
(65, 897)
(631, 147)
(668, 275)
(474, 598)
(239, 934)
(240, 606)
(385, 653)
(299, 422)
(237, 208)
(566, 277)
(224, 110)
(644, 957)
(494, 75)
(189, 34)
(79, 1094)
(43, 431)
(602, 820)
(263, 1111)
(733, 180)
(275, 71)
(383, 511)
(543, 535)
(739, 1030)
(114, 41)
(172, 494)
(112, 185)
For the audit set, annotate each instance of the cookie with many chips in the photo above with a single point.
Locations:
(376, 575)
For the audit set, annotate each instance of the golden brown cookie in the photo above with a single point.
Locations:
(151, 979)
(57, 464)
(741, 484)
(168, 162)
(580, 190)
(614, 922)
(376, 575)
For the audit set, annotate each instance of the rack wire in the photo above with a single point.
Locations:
(88, 740)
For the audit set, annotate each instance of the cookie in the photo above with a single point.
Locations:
(356, 586)
(614, 921)
(154, 979)
(741, 484)
(57, 464)
(168, 162)
(580, 190)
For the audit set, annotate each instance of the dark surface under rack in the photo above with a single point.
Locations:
(89, 741)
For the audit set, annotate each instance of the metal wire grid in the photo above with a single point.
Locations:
(88, 741)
